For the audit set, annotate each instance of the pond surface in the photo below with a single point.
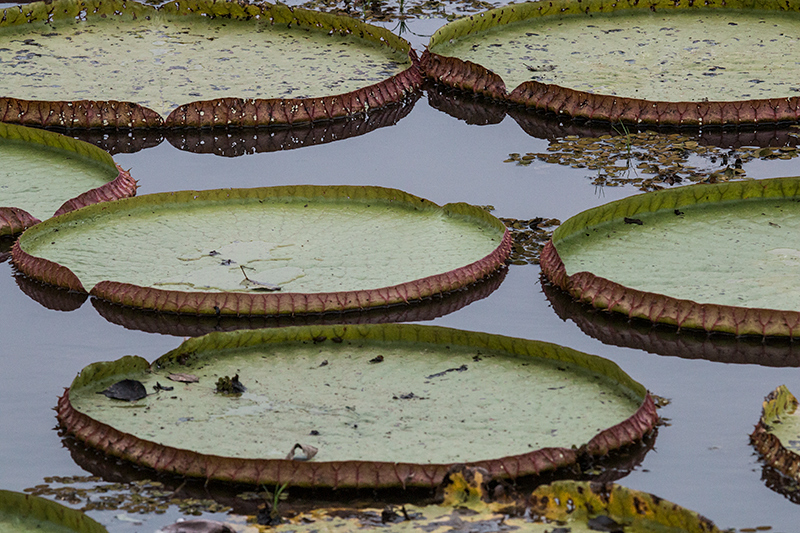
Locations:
(701, 460)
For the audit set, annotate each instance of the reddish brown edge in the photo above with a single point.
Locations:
(277, 303)
(469, 76)
(338, 474)
(14, 220)
(263, 303)
(78, 114)
(238, 112)
(771, 449)
(123, 186)
(223, 112)
(605, 294)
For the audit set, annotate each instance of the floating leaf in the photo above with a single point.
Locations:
(575, 405)
(197, 63)
(329, 249)
(777, 434)
(43, 173)
(540, 52)
(22, 513)
(719, 257)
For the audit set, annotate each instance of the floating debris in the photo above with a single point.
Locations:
(530, 237)
(230, 385)
(651, 160)
(137, 497)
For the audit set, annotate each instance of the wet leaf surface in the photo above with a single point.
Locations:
(178, 54)
(345, 411)
(687, 55)
(725, 234)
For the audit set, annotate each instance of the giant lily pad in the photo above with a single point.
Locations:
(718, 257)
(384, 405)
(659, 62)
(777, 434)
(279, 250)
(22, 513)
(197, 63)
(43, 173)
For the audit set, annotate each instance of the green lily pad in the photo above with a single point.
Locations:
(279, 250)
(111, 63)
(777, 434)
(664, 62)
(718, 257)
(22, 513)
(380, 405)
(43, 173)
(560, 507)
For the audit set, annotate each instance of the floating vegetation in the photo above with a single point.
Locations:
(137, 497)
(529, 237)
(650, 160)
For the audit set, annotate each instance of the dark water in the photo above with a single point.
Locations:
(702, 460)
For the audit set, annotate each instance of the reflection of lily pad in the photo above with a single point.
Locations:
(196, 325)
(661, 62)
(326, 248)
(615, 329)
(719, 257)
(110, 63)
(24, 513)
(328, 388)
(42, 173)
(777, 434)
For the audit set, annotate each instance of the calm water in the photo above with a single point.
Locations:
(702, 460)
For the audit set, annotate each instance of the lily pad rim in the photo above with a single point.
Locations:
(659, 308)
(276, 303)
(113, 114)
(386, 474)
(15, 220)
(597, 107)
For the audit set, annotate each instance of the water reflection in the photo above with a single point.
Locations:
(234, 142)
(193, 325)
(481, 111)
(610, 468)
(49, 296)
(6, 242)
(778, 482)
(616, 329)
(58, 299)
